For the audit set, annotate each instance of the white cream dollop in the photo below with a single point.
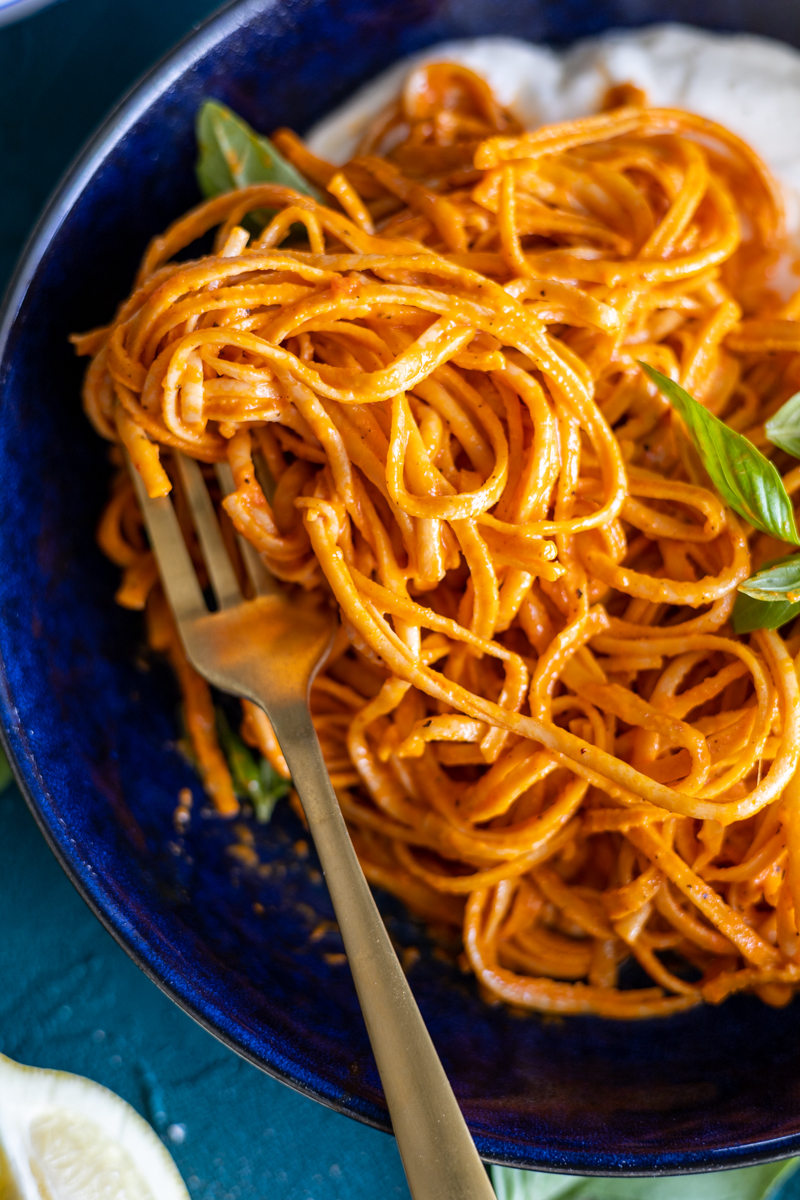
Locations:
(749, 84)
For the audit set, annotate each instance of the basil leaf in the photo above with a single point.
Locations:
(746, 480)
(783, 428)
(253, 780)
(232, 155)
(273, 788)
(770, 598)
(777, 580)
(749, 614)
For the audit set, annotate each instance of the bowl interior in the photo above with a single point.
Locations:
(93, 729)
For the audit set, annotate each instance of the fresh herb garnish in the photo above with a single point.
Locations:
(752, 486)
(749, 614)
(769, 598)
(747, 481)
(783, 427)
(777, 580)
(232, 155)
(253, 779)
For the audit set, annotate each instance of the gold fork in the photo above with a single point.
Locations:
(269, 650)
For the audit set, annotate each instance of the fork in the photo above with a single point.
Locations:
(268, 650)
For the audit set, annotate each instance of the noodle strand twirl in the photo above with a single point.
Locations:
(538, 720)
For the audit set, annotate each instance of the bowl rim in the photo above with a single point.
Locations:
(201, 39)
(17, 10)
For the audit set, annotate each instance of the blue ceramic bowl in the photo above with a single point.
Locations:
(15, 10)
(92, 732)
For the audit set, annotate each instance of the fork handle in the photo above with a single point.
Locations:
(438, 1153)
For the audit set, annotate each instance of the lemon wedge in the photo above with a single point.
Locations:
(63, 1137)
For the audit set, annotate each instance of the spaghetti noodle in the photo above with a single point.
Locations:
(537, 719)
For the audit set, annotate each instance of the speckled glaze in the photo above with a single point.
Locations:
(92, 732)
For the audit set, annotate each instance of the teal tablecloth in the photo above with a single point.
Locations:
(69, 997)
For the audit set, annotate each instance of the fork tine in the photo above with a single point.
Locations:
(220, 570)
(174, 562)
(262, 581)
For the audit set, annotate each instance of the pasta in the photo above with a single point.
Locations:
(539, 723)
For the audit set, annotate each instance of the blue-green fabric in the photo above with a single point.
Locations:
(742, 1183)
(69, 996)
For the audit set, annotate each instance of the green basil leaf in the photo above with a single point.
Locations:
(777, 580)
(273, 788)
(783, 428)
(253, 780)
(747, 481)
(232, 155)
(749, 614)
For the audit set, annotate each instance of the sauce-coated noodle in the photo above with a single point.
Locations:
(536, 716)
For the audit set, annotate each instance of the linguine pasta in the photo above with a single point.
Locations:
(539, 723)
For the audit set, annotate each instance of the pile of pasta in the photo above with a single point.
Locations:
(539, 723)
